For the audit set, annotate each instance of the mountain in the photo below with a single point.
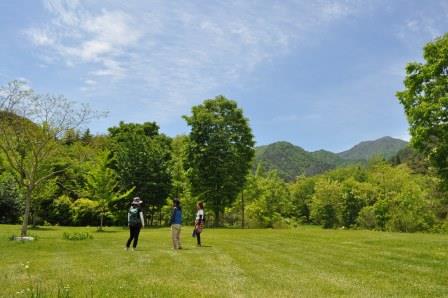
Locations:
(386, 147)
(291, 161)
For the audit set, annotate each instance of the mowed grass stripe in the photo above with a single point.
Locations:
(308, 262)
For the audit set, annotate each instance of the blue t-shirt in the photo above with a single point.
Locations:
(176, 216)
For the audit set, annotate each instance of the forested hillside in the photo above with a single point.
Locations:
(386, 147)
(291, 161)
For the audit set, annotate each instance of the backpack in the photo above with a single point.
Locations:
(134, 216)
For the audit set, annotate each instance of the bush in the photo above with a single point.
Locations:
(409, 211)
(84, 212)
(327, 204)
(367, 218)
(61, 211)
(76, 236)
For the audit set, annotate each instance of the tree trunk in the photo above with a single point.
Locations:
(101, 222)
(28, 194)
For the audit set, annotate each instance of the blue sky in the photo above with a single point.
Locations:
(319, 74)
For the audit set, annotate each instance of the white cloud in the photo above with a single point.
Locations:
(174, 53)
(90, 82)
(39, 37)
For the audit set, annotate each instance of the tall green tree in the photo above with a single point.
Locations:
(219, 152)
(142, 159)
(425, 101)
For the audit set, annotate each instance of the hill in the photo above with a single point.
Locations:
(291, 161)
(386, 147)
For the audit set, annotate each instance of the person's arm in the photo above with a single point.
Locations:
(142, 219)
(129, 218)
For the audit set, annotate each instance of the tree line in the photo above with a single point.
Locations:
(52, 171)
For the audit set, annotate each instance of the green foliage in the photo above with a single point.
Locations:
(385, 147)
(367, 218)
(292, 161)
(425, 101)
(85, 212)
(413, 159)
(326, 204)
(30, 127)
(268, 201)
(77, 236)
(102, 185)
(410, 210)
(302, 192)
(356, 195)
(142, 159)
(61, 211)
(10, 199)
(219, 152)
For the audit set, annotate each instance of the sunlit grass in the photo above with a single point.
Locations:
(307, 262)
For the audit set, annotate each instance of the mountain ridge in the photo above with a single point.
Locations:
(291, 160)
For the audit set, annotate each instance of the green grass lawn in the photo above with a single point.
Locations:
(307, 261)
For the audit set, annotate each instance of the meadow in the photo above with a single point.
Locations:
(303, 262)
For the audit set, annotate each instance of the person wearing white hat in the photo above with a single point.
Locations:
(135, 222)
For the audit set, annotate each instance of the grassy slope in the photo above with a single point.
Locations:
(308, 261)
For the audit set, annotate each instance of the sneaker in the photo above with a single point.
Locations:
(126, 248)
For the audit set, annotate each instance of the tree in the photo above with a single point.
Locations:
(326, 204)
(302, 192)
(30, 126)
(142, 160)
(272, 204)
(219, 152)
(102, 185)
(425, 101)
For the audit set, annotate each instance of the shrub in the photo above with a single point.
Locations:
(327, 204)
(85, 212)
(61, 211)
(76, 236)
(367, 218)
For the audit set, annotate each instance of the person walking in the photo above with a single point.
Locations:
(199, 222)
(135, 222)
(176, 222)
